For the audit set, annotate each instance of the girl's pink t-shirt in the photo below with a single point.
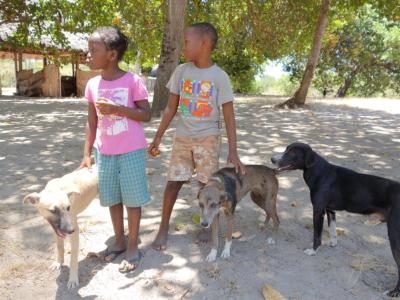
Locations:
(118, 134)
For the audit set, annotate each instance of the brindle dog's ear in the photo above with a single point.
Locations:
(310, 158)
(223, 198)
(32, 198)
(223, 201)
(198, 193)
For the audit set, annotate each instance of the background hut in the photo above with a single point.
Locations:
(47, 82)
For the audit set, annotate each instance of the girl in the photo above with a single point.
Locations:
(117, 104)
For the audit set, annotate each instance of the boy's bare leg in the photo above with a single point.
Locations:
(170, 194)
(117, 218)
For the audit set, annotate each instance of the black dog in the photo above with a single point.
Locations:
(337, 188)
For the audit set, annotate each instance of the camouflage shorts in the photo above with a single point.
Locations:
(194, 155)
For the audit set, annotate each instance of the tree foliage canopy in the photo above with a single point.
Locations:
(250, 32)
(360, 55)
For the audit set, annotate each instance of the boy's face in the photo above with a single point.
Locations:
(193, 44)
(99, 56)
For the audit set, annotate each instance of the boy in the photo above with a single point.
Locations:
(197, 90)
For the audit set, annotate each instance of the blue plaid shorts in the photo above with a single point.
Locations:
(122, 178)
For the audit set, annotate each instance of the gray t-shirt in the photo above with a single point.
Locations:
(201, 94)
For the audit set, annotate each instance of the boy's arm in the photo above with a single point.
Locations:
(168, 115)
(230, 124)
(90, 129)
(140, 113)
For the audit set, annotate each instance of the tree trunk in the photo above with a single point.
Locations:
(20, 59)
(342, 91)
(299, 97)
(16, 71)
(170, 51)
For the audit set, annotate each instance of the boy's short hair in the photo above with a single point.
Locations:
(114, 39)
(205, 28)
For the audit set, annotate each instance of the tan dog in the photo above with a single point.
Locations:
(59, 203)
(225, 189)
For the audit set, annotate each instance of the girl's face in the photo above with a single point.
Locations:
(192, 44)
(99, 57)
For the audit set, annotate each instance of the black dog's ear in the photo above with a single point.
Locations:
(310, 158)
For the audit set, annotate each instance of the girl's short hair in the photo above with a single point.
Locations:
(114, 39)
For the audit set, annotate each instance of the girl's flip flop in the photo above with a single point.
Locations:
(107, 253)
(127, 266)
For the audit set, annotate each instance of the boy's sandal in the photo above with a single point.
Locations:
(107, 254)
(127, 266)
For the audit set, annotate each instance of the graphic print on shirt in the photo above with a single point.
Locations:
(195, 96)
(112, 124)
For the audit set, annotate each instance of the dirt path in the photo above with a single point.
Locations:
(42, 139)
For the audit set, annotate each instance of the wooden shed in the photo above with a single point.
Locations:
(47, 82)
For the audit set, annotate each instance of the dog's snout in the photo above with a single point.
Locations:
(276, 158)
(204, 223)
(67, 228)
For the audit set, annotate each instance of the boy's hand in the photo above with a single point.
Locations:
(86, 162)
(233, 158)
(106, 106)
(153, 147)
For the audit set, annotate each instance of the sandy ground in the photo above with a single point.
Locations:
(42, 138)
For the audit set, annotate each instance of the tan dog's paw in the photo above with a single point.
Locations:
(212, 255)
(55, 266)
(73, 282)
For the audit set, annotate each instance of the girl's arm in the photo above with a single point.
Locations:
(230, 124)
(90, 129)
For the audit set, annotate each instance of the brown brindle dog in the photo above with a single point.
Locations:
(225, 189)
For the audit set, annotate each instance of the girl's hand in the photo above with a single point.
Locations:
(233, 158)
(86, 162)
(106, 106)
(153, 147)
